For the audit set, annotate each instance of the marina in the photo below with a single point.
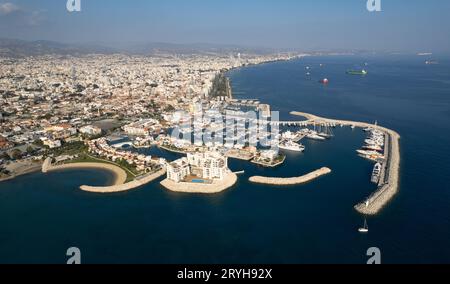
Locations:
(390, 172)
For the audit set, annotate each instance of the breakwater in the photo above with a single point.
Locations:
(291, 181)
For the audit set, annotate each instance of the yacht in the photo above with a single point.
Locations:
(373, 148)
(376, 173)
(291, 146)
(371, 142)
(368, 153)
(314, 136)
(364, 229)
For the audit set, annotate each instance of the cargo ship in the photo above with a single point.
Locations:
(357, 72)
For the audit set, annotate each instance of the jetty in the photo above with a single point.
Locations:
(291, 181)
(389, 180)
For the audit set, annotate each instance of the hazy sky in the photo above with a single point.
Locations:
(403, 25)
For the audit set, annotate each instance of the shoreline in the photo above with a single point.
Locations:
(290, 181)
(216, 187)
(384, 194)
(28, 170)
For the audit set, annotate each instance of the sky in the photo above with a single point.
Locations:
(402, 25)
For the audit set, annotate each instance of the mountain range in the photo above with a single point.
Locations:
(20, 48)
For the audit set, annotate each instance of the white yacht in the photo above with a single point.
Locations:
(364, 229)
(373, 148)
(291, 146)
(376, 173)
(314, 136)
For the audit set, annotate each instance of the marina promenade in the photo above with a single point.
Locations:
(290, 181)
(389, 185)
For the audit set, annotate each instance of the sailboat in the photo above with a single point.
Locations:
(327, 133)
(364, 229)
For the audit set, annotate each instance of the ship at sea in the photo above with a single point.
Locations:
(357, 72)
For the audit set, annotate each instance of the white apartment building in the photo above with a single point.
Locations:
(210, 166)
(178, 170)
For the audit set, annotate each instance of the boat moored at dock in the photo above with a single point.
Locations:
(290, 145)
(376, 173)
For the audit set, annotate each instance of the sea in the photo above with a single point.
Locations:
(41, 216)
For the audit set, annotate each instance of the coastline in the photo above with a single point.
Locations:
(28, 169)
(384, 194)
(290, 181)
(214, 188)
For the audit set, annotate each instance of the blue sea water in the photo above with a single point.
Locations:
(43, 215)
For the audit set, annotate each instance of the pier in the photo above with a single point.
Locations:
(388, 185)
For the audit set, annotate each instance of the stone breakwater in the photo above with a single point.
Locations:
(374, 203)
(216, 187)
(291, 181)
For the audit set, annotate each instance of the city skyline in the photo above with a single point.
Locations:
(306, 25)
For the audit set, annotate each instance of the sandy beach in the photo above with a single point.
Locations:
(290, 181)
(120, 176)
(216, 187)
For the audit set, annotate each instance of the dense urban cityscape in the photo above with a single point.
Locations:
(59, 105)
